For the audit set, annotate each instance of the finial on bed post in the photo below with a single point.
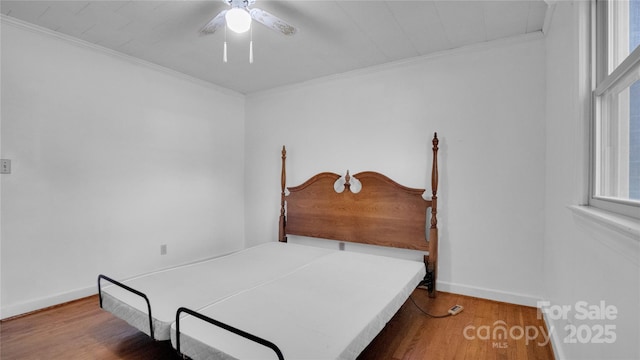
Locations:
(432, 262)
(347, 179)
(282, 237)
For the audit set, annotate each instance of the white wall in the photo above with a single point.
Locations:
(583, 261)
(111, 158)
(487, 105)
(105, 150)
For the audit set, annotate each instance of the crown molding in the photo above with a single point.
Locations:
(469, 49)
(20, 24)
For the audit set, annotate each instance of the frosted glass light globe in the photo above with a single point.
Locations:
(238, 20)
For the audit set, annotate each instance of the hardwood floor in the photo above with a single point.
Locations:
(81, 330)
(410, 335)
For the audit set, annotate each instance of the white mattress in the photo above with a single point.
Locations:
(203, 283)
(331, 308)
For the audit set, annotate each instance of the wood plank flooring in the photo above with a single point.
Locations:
(81, 330)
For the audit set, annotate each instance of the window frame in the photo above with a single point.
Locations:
(602, 81)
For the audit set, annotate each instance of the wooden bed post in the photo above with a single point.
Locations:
(282, 237)
(432, 258)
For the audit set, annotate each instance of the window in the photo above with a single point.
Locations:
(615, 180)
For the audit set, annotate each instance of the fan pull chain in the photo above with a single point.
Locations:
(251, 47)
(224, 52)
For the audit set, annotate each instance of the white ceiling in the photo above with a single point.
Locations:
(333, 36)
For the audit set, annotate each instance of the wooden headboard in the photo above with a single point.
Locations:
(382, 212)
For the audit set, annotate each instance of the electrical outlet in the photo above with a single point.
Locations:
(163, 249)
(5, 166)
(341, 246)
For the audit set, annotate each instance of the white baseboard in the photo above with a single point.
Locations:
(491, 294)
(38, 304)
(61, 298)
(513, 298)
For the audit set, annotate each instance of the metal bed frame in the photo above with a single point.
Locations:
(205, 318)
(224, 326)
(132, 290)
(430, 245)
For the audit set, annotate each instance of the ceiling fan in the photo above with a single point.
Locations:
(239, 17)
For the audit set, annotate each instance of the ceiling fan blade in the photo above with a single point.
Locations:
(272, 21)
(214, 24)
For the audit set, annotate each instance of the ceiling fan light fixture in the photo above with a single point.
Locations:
(238, 20)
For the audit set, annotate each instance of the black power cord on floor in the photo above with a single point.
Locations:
(426, 313)
(453, 311)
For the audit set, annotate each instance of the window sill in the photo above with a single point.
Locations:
(624, 224)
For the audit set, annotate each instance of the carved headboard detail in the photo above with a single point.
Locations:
(382, 212)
